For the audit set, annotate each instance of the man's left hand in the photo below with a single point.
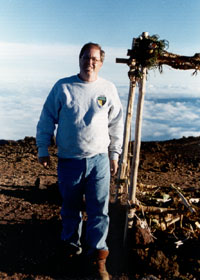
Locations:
(113, 166)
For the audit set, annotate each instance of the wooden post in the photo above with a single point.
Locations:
(127, 133)
(122, 172)
(139, 72)
(136, 154)
(137, 142)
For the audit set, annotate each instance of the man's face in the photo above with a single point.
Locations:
(90, 64)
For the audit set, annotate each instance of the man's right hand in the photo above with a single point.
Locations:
(45, 161)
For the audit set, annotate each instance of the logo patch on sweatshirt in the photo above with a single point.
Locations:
(101, 100)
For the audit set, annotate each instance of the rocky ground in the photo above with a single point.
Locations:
(164, 242)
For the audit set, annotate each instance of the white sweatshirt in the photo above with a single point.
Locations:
(89, 119)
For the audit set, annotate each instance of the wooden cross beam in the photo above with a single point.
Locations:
(179, 61)
(176, 61)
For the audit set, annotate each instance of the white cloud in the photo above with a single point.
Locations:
(30, 63)
(10, 51)
(170, 119)
(19, 112)
(173, 83)
(162, 119)
(172, 110)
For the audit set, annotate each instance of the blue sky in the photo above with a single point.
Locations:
(112, 22)
(40, 42)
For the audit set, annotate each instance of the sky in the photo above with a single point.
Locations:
(40, 42)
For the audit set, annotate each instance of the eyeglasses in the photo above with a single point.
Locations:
(94, 59)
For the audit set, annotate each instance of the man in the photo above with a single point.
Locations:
(88, 115)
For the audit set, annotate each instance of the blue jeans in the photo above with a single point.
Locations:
(89, 177)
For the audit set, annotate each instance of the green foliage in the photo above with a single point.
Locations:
(146, 51)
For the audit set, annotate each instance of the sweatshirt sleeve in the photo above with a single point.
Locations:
(47, 122)
(115, 126)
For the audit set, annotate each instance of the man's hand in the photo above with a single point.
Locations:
(45, 161)
(113, 166)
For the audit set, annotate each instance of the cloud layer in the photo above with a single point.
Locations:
(162, 118)
(167, 118)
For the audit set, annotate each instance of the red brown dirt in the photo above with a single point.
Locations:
(30, 221)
